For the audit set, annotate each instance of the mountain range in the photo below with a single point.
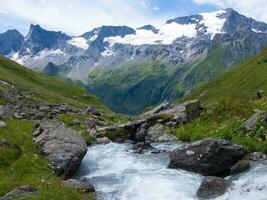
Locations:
(132, 69)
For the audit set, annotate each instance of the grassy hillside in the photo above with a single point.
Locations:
(240, 83)
(229, 100)
(44, 88)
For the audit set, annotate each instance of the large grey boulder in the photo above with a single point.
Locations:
(253, 120)
(26, 191)
(63, 147)
(209, 157)
(212, 187)
(181, 113)
(185, 112)
(157, 133)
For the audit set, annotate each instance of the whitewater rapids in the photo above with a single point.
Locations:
(119, 174)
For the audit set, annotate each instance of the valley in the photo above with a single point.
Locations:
(173, 111)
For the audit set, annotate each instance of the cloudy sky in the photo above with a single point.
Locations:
(78, 16)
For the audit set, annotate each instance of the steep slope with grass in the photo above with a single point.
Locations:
(44, 88)
(229, 101)
(240, 83)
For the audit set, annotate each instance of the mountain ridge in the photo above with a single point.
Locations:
(192, 50)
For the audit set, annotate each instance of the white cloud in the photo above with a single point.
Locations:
(3, 12)
(155, 8)
(78, 16)
(256, 9)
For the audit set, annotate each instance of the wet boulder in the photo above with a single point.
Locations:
(212, 187)
(63, 147)
(103, 140)
(81, 186)
(142, 145)
(240, 167)
(209, 157)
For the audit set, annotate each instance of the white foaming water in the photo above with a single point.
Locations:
(119, 174)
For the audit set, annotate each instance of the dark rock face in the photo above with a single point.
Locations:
(210, 157)
(39, 39)
(63, 147)
(107, 31)
(212, 187)
(149, 28)
(240, 167)
(142, 145)
(81, 186)
(22, 192)
(51, 69)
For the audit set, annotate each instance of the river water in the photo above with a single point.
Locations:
(119, 174)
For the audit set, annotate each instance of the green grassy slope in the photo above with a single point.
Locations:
(229, 100)
(44, 88)
(241, 82)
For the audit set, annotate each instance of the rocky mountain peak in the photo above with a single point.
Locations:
(39, 39)
(10, 41)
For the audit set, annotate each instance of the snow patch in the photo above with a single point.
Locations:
(256, 30)
(213, 22)
(79, 42)
(166, 35)
(93, 38)
(42, 54)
